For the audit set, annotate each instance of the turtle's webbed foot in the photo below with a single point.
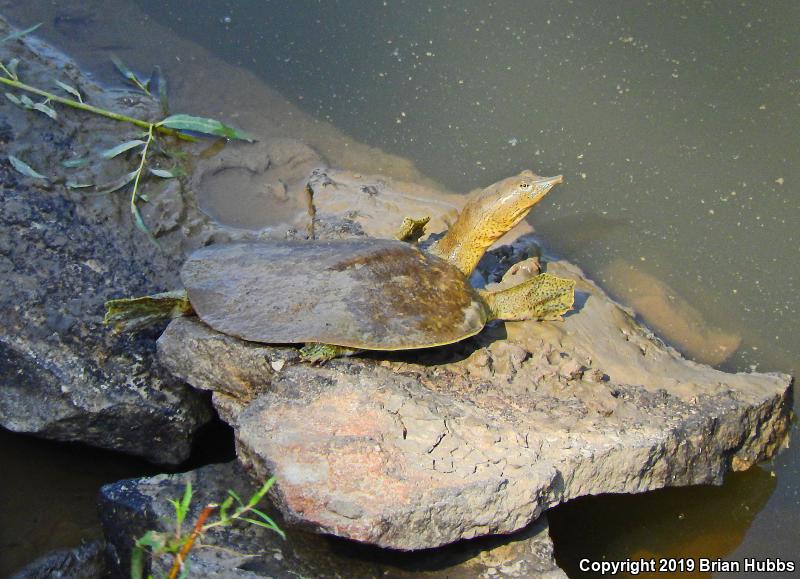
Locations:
(128, 314)
(544, 297)
(549, 297)
(412, 229)
(317, 353)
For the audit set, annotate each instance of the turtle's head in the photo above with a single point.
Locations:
(490, 215)
(507, 202)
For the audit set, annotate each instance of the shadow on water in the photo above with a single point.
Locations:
(48, 490)
(700, 521)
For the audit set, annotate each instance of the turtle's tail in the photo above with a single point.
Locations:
(128, 314)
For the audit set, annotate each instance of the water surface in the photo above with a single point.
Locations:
(675, 123)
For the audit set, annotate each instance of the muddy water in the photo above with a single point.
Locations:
(675, 124)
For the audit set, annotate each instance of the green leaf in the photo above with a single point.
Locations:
(72, 163)
(265, 525)
(118, 184)
(137, 219)
(187, 497)
(43, 108)
(123, 68)
(12, 66)
(26, 101)
(14, 99)
(20, 33)
(204, 126)
(71, 90)
(259, 494)
(121, 148)
(163, 173)
(130, 75)
(184, 570)
(152, 540)
(24, 168)
(137, 562)
(223, 508)
(235, 496)
(267, 518)
(162, 91)
(175, 505)
(76, 185)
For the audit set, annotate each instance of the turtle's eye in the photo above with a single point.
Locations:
(524, 185)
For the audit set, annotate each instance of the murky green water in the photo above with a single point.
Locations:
(676, 125)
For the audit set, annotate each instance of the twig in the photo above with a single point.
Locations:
(187, 546)
(89, 108)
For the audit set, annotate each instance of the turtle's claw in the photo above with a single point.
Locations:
(412, 229)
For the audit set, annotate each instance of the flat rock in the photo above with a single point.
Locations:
(129, 508)
(426, 448)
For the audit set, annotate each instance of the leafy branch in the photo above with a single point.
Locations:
(179, 544)
(179, 126)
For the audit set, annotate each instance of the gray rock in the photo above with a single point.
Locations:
(426, 448)
(63, 375)
(84, 562)
(129, 508)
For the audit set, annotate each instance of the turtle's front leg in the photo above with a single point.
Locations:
(128, 314)
(412, 229)
(317, 353)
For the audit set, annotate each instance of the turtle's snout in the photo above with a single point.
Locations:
(541, 186)
(550, 181)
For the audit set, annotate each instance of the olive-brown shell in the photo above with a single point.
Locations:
(369, 294)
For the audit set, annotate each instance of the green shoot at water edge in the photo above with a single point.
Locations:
(179, 542)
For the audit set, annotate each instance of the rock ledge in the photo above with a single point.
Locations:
(424, 449)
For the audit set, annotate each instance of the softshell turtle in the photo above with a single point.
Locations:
(343, 296)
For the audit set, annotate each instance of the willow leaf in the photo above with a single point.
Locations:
(129, 74)
(204, 126)
(163, 173)
(12, 66)
(43, 108)
(137, 218)
(24, 168)
(163, 99)
(20, 33)
(14, 99)
(77, 185)
(118, 184)
(72, 163)
(71, 90)
(121, 148)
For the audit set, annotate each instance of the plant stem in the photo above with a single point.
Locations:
(187, 546)
(137, 218)
(89, 108)
(149, 140)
